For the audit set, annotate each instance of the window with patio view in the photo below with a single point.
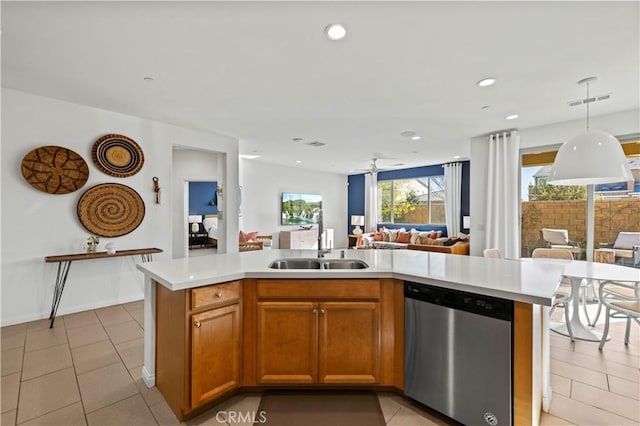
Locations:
(418, 201)
(564, 208)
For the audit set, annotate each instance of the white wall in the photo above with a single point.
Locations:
(188, 165)
(262, 187)
(36, 224)
(622, 123)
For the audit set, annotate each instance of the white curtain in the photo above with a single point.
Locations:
(370, 202)
(503, 231)
(452, 197)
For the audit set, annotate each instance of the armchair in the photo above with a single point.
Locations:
(559, 239)
(627, 248)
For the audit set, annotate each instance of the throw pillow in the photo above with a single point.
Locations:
(377, 236)
(415, 237)
(404, 237)
(243, 237)
(385, 235)
(251, 236)
(393, 235)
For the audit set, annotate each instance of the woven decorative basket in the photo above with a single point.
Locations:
(54, 169)
(117, 155)
(110, 210)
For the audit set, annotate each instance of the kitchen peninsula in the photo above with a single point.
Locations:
(218, 324)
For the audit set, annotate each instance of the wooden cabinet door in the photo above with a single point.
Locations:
(287, 342)
(215, 353)
(349, 342)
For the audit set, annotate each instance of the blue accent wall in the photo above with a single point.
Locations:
(200, 194)
(357, 189)
(356, 199)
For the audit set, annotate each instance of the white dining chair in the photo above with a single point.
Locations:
(621, 300)
(562, 296)
(492, 253)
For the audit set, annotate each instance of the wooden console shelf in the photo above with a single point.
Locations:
(64, 264)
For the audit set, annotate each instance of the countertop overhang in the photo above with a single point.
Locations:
(527, 282)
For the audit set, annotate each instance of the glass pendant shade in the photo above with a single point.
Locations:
(590, 158)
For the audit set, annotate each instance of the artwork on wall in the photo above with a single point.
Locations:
(110, 210)
(117, 155)
(54, 170)
(300, 209)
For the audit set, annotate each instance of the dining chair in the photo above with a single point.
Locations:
(492, 253)
(624, 300)
(562, 296)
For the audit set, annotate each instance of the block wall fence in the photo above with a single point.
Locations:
(611, 217)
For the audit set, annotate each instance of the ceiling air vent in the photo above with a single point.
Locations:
(316, 144)
(589, 100)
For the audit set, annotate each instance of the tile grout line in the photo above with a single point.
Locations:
(75, 372)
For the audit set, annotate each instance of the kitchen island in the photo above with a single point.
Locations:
(257, 312)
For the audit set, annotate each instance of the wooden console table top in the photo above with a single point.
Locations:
(100, 254)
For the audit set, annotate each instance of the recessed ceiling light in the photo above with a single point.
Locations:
(408, 134)
(415, 138)
(512, 116)
(298, 161)
(457, 156)
(249, 157)
(484, 107)
(486, 82)
(297, 139)
(148, 79)
(335, 32)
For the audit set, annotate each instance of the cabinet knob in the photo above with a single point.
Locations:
(219, 295)
(322, 311)
(315, 311)
(198, 324)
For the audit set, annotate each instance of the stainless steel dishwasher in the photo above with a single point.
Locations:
(458, 354)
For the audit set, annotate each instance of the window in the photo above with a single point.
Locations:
(617, 205)
(417, 201)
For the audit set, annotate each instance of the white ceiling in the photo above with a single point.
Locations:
(264, 72)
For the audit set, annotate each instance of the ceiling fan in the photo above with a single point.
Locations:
(373, 167)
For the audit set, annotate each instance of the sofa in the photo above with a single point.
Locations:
(413, 239)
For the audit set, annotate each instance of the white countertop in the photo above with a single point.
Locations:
(528, 282)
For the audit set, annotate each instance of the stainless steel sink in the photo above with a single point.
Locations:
(344, 264)
(295, 264)
(301, 263)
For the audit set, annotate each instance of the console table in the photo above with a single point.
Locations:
(64, 264)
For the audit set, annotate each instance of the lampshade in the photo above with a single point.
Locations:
(357, 220)
(590, 158)
(195, 218)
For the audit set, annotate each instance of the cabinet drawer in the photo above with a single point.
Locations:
(319, 289)
(214, 294)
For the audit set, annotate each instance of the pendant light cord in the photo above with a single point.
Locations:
(588, 102)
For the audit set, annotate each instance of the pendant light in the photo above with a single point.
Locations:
(590, 158)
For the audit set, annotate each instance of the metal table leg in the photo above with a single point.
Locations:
(61, 280)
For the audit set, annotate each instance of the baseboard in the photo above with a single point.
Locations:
(148, 378)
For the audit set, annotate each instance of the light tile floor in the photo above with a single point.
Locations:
(86, 370)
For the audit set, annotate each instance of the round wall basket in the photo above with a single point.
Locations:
(54, 170)
(117, 155)
(110, 210)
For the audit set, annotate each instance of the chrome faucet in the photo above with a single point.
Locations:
(321, 251)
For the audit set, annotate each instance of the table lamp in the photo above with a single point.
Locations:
(357, 221)
(195, 221)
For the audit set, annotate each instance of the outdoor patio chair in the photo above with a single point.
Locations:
(627, 248)
(559, 239)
